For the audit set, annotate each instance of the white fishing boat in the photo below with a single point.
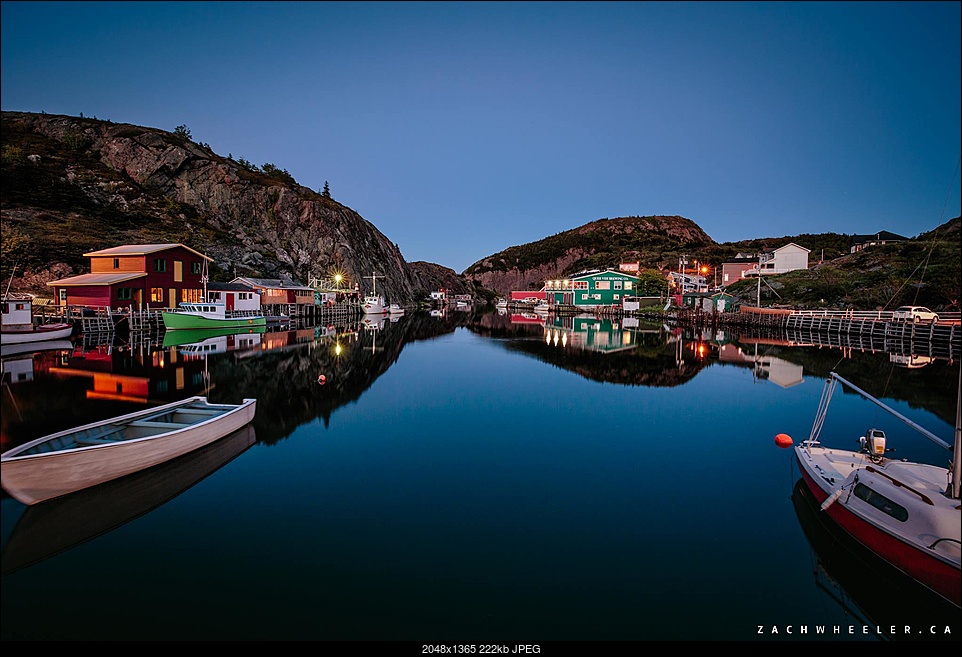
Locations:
(395, 310)
(374, 303)
(75, 459)
(17, 326)
(906, 513)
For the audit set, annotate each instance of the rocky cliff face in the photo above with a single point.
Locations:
(119, 183)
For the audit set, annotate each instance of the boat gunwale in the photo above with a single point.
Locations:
(14, 453)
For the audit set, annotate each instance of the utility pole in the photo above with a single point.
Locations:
(759, 302)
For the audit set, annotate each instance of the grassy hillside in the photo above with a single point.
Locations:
(925, 271)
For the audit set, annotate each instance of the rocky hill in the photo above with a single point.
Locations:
(73, 185)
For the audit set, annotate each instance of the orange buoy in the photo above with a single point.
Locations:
(322, 379)
(783, 440)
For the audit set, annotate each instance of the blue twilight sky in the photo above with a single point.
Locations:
(462, 128)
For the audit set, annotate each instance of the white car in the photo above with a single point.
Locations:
(915, 314)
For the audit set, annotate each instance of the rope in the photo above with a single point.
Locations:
(822, 411)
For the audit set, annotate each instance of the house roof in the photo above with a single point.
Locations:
(18, 296)
(230, 287)
(97, 279)
(882, 235)
(795, 245)
(590, 274)
(140, 249)
(271, 282)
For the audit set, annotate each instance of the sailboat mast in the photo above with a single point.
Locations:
(954, 485)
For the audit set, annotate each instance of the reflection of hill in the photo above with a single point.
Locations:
(285, 381)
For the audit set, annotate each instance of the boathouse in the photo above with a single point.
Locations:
(591, 290)
(135, 276)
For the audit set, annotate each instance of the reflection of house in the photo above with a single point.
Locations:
(780, 372)
(592, 334)
(784, 259)
(136, 275)
(591, 290)
(128, 376)
(860, 242)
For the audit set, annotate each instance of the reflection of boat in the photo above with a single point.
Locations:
(542, 308)
(68, 461)
(911, 362)
(373, 322)
(211, 340)
(208, 315)
(17, 327)
(906, 513)
(500, 302)
(10, 350)
(57, 525)
(880, 596)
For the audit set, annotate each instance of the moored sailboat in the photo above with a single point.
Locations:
(907, 513)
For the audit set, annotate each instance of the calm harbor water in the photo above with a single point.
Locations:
(471, 479)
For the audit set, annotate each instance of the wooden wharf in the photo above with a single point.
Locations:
(864, 330)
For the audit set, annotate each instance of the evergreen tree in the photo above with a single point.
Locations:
(327, 190)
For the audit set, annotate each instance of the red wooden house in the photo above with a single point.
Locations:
(136, 275)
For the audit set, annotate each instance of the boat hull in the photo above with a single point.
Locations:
(39, 477)
(184, 321)
(850, 513)
(373, 306)
(36, 334)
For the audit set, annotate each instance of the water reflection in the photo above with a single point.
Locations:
(301, 374)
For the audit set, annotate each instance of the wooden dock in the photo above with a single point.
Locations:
(864, 330)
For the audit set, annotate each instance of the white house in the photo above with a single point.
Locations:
(234, 296)
(790, 257)
(688, 282)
